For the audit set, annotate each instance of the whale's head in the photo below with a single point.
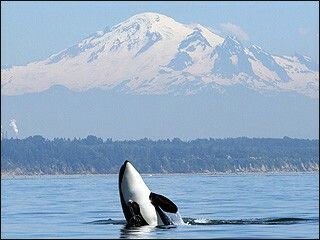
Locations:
(131, 183)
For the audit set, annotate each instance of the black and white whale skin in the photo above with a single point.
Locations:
(141, 206)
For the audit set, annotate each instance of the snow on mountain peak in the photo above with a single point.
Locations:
(230, 42)
(307, 61)
(153, 22)
(151, 17)
(151, 53)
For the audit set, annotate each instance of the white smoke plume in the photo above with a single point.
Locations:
(14, 126)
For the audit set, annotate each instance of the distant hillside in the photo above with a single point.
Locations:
(37, 155)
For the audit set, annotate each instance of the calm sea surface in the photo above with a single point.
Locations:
(236, 206)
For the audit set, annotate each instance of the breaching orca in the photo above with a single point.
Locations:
(141, 206)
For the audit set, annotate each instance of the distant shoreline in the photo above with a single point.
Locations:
(37, 156)
(14, 176)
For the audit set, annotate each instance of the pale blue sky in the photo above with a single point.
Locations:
(32, 31)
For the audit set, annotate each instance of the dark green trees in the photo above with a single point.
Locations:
(37, 155)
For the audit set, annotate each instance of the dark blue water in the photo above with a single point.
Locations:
(236, 206)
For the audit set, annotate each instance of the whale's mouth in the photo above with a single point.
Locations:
(136, 219)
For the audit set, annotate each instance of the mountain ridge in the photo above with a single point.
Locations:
(151, 53)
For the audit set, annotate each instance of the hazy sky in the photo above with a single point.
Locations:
(32, 31)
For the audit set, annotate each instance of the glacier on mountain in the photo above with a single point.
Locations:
(153, 54)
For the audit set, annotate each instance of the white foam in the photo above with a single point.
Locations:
(176, 218)
(201, 220)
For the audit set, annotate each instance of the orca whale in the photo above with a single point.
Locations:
(141, 206)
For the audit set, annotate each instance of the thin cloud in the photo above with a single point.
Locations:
(235, 30)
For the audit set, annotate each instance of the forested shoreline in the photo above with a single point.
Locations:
(92, 155)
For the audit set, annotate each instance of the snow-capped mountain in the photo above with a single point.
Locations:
(153, 54)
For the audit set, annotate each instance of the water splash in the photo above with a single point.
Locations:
(256, 221)
(176, 218)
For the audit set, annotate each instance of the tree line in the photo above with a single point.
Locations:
(37, 155)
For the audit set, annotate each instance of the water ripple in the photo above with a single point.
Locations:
(195, 221)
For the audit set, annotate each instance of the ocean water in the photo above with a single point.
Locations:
(223, 206)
